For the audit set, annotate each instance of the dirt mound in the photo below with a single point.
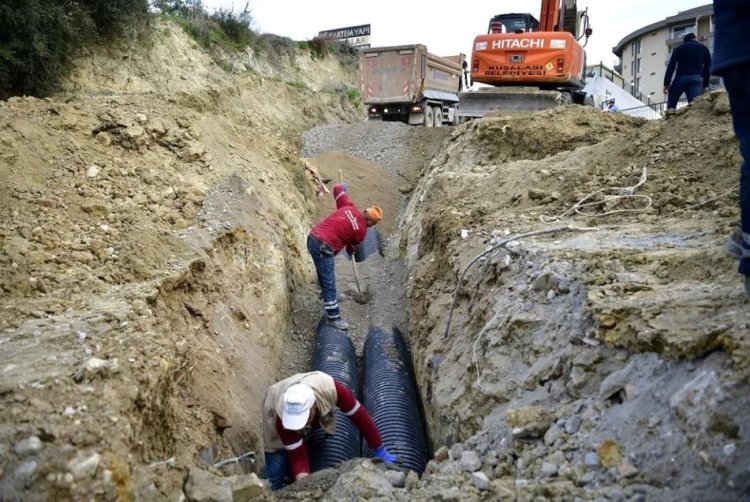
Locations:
(546, 319)
(151, 242)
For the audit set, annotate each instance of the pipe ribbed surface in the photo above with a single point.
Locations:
(334, 354)
(371, 244)
(390, 396)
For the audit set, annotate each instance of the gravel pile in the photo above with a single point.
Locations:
(385, 143)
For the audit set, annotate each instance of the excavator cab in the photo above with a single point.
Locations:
(531, 64)
(513, 23)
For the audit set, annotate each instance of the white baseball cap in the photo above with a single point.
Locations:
(298, 400)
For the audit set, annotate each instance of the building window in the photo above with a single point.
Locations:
(638, 85)
(681, 31)
(638, 46)
(638, 66)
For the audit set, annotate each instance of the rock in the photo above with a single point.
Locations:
(24, 474)
(588, 478)
(29, 446)
(529, 422)
(83, 466)
(536, 194)
(141, 118)
(397, 478)
(609, 453)
(442, 454)
(572, 424)
(696, 403)
(548, 469)
(97, 367)
(93, 171)
(412, 481)
(591, 460)
(203, 486)
(729, 449)
(553, 434)
(456, 451)
(134, 132)
(614, 383)
(626, 469)
(470, 461)
(480, 481)
(247, 487)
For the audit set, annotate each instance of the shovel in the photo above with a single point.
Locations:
(362, 296)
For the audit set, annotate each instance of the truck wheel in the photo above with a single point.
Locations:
(428, 116)
(437, 113)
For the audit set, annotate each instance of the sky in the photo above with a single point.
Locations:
(446, 28)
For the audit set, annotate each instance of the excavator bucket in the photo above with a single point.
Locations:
(508, 99)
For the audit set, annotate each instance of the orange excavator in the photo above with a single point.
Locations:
(531, 64)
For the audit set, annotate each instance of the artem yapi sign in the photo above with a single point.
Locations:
(356, 36)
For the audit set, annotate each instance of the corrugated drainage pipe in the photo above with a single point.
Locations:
(334, 354)
(390, 396)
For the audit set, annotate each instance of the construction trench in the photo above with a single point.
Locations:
(155, 282)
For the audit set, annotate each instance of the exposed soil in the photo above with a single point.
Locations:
(155, 281)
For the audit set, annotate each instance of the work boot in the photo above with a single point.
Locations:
(339, 324)
(733, 245)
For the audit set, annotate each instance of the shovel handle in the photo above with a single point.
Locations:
(354, 262)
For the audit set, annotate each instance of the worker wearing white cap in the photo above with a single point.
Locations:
(297, 405)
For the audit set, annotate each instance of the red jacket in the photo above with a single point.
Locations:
(295, 445)
(345, 227)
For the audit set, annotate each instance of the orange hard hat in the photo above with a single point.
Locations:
(374, 213)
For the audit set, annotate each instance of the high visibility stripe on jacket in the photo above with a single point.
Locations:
(279, 438)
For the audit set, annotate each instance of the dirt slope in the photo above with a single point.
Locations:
(153, 225)
(616, 328)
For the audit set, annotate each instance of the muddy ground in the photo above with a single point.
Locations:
(155, 281)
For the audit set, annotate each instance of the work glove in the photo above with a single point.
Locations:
(345, 186)
(382, 454)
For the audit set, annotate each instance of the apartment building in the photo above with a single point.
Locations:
(644, 54)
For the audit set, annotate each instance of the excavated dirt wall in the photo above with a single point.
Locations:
(153, 227)
(628, 333)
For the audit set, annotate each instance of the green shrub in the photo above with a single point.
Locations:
(39, 39)
(296, 84)
(354, 97)
(223, 27)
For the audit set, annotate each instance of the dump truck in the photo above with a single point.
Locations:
(531, 64)
(408, 84)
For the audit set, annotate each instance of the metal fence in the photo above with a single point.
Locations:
(653, 111)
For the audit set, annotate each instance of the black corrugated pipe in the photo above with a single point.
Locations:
(334, 354)
(390, 396)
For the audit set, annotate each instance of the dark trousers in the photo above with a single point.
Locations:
(691, 85)
(323, 256)
(277, 469)
(737, 83)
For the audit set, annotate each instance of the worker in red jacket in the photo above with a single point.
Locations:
(346, 227)
(297, 405)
